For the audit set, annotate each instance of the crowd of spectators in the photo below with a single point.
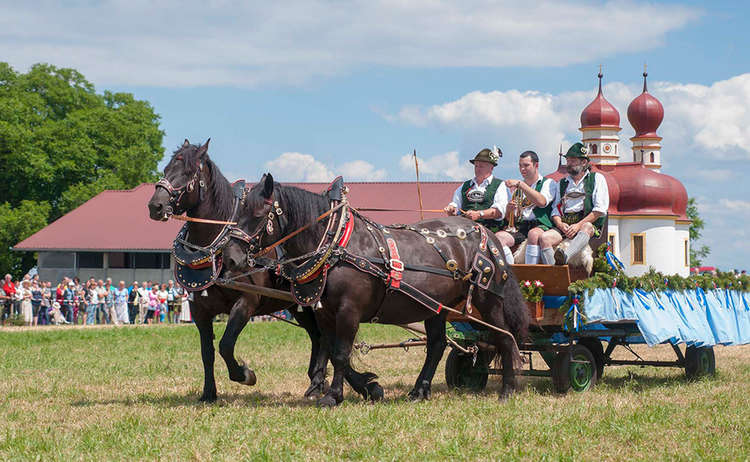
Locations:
(91, 302)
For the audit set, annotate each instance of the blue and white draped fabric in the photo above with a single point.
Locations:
(613, 261)
(695, 317)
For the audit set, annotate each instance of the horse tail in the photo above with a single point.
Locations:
(514, 309)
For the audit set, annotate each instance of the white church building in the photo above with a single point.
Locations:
(647, 221)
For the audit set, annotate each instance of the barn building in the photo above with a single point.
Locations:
(111, 235)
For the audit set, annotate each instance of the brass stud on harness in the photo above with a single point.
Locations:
(487, 269)
(460, 233)
(441, 233)
(430, 240)
(505, 275)
(424, 231)
(451, 265)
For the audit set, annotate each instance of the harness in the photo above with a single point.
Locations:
(309, 277)
(197, 267)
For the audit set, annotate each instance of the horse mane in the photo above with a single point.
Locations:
(300, 208)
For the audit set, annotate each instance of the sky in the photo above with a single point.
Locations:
(311, 89)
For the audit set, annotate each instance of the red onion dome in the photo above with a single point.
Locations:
(642, 191)
(600, 113)
(645, 113)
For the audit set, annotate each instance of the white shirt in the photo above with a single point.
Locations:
(499, 203)
(549, 190)
(600, 199)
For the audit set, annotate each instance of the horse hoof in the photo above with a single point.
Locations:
(316, 390)
(505, 394)
(417, 395)
(207, 398)
(250, 379)
(327, 401)
(375, 391)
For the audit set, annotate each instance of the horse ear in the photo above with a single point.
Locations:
(186, 143)
(203, 149)
(268, 186)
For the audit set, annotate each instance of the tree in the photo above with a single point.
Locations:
(697, 254)
(61, 143)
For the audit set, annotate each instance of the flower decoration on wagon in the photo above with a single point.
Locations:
(532, 291)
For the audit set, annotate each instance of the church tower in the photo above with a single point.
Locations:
(600, 124)
(645, 114)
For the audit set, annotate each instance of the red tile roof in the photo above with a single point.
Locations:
(119, 221)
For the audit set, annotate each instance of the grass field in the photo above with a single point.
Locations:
(131, 393)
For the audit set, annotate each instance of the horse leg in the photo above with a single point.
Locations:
(238, 318)
(347, 323)
(505, 346)
(510, 382)
(206, 331)
(362, 383)
(316, 369)
(436, 343)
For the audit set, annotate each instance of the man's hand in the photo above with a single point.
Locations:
(572, 230)
(449, 210)
(512, 183)
(563, 227)
(472, 215)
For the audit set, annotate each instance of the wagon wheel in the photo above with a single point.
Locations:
(462, 372)
(699, 362)
(574, 369)
(595, 346)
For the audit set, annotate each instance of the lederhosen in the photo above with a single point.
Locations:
(484, 203)
(588, 204)
(541, 218)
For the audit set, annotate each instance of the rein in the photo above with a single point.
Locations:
(202, 220)
(371, 209)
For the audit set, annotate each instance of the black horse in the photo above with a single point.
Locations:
(193, 184)
(441, 259)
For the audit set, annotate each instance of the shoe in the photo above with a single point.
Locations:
(560, 258)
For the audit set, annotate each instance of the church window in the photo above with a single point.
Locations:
(637, 249)
(615, 149)
(612, 241)
(593, 148)
(652, 157)
(686, 251)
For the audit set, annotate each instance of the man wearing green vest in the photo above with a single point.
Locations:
(582, 204)
(483, 198)
(534, 219)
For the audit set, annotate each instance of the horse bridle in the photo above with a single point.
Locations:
(176, 194)
(254, 240)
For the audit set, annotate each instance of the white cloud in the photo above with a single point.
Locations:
(713, 120)
(735, 205)
(193, 43)
(295, 166)
(717, 174)
(359, 170)
(438, 167)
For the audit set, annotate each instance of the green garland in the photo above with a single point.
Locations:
(604, 277)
